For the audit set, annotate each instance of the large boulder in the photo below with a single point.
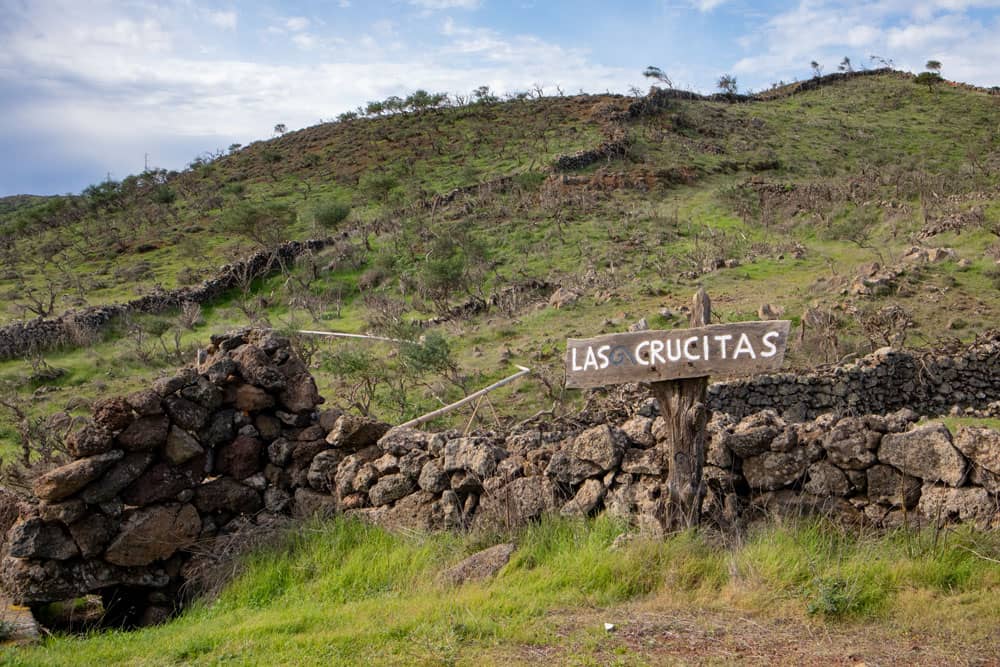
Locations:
(92, 533)
(479, 566)
(91, 439)
(240, 458)
(153, 533)
(189, 415)
(29, 581)
(257, 368)
(753, 435)
(925, 452)
(403, 439)
(826, 479)
(66, 480)
(300, 394)
(181, 446)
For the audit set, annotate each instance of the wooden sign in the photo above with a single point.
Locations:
(653, 356)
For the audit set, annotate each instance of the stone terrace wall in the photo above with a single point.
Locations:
(238, 445)
(21, 338)
(930, 383)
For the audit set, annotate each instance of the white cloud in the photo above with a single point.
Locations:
(224, 20)
(304, 40)
(707, 5)
(437, 5)
(297, 23)
(900, 30)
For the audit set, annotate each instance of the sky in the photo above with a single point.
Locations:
(104, 88)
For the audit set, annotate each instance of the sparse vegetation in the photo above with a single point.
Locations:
(354, 594)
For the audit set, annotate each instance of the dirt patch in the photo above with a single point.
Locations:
(712, 637)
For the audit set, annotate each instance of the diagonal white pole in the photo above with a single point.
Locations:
(471, 397)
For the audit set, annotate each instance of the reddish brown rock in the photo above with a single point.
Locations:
(240, 458)
(248, 398)
(70, 478)
(114, 414)
(256, 368)
(354, 433)
(300, 394)
(145, 402)
(153, 533)
(90, 440)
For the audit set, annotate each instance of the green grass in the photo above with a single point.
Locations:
(348, 593)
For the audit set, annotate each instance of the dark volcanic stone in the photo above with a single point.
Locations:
(164, 481)
(145, 433)
(228, 495)
(117, 478)
(221, 428)
(240, 458)
(189, 415)
(35, 538)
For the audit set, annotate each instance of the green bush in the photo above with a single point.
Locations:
(328, 214)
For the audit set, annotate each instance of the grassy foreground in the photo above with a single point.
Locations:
(345, 593)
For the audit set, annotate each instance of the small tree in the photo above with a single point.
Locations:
(727, 84)
(280, 129)
(264, 224)
(929, 79)
(330, 213)
(934, 66)
(817, 69)
(845, 65)
(654, 72)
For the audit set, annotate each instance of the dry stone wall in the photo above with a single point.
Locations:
(930, 383)
(27, 337)
(160, 478)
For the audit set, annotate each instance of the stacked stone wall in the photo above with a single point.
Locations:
(240, 444)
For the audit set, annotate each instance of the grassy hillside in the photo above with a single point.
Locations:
(346, 594)
(780, 201)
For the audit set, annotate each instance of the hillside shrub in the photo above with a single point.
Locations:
(330, 213)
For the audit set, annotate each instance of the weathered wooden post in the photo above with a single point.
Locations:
(677, 365)
(683, 408)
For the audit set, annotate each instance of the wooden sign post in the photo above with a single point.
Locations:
(677, 365)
